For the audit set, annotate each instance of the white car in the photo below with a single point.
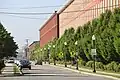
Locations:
(10, 61)
(17, 62)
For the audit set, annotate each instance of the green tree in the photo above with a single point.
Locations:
(8, 46)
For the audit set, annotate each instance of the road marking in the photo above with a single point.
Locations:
(7, 72)
(52, 75)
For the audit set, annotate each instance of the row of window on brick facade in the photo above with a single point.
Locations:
(100, 8)
(96, 10)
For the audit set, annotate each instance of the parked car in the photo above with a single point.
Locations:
(17, 62)
(10, 61)
(25, 64)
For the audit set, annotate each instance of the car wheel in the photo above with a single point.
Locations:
(29, 68)
(20, 68)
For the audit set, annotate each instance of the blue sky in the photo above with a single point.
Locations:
(23, 28)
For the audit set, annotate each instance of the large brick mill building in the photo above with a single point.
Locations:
(75, 13)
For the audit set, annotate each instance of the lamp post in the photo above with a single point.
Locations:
(44, 56)
(41, 56)
(94, 51)
(76, 43)
(49, 53)
(54, 55)
(65, 43)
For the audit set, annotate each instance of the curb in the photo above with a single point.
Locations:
(82, 72)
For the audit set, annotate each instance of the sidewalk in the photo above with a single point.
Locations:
(90, 72)
(9, 70)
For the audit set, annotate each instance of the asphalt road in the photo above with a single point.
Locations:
(47, 72)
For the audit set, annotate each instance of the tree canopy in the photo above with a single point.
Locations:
(8, 46)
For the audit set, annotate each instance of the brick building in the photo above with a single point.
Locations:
(75, 13)
(79, 12)
(31, 48)
(49, 30)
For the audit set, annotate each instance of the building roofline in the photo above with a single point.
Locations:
(48, 20)
(33, 43)
(66, 5)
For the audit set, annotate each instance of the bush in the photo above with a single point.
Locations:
(89, 64)
(39, 62)
(2, 65)
(99, 65)
(118, 68)
(82, 63)
(113, 66)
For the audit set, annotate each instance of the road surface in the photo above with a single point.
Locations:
(47, 72)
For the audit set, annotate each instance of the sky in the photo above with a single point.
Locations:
(24, 27)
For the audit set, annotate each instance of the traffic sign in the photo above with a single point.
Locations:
(93, 52)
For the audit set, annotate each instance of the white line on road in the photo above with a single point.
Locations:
(50, 75)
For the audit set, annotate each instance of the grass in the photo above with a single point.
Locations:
(101, 73)
(16, 70)
(99, 70)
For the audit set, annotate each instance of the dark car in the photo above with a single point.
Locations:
(25, 64)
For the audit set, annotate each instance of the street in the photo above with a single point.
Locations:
(47, 72)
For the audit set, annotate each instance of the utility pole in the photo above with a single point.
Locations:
(26, 49)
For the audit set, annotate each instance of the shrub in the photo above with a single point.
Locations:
(81, 63)
(112, 66)
(89, 64)
(39, 62)
(118, 68)
(2, 65)
(99, 65)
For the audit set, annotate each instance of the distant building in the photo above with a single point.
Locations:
(21, 54)
(31, 48)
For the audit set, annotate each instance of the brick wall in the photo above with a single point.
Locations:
(49, 30)
(80, 12)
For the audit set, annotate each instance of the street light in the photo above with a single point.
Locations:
(44, 53)
(54, 55)
(49, 53)
(76, 43)
(94, 51)
(41, 56)
(65, 43)
(44, 48)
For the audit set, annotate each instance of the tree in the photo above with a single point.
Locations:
(8, 46)
(106, 28)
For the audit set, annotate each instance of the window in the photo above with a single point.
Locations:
(111, 4)
(117, 3)
(103, 6)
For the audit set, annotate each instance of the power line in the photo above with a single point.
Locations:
(14, 14)
(40, 6)
(27, 17)
(35, 13)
